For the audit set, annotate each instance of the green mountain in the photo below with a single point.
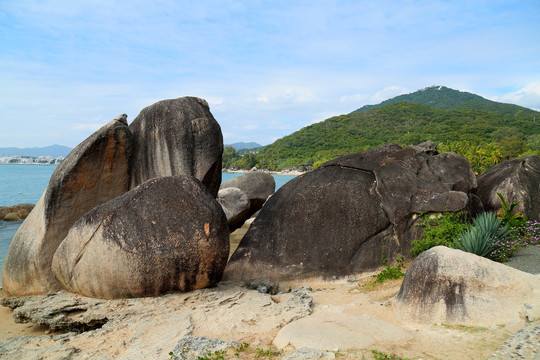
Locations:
(441, 97)
(243, 145)
(53, 150)
(456, 121)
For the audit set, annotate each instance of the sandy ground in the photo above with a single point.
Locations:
(8, 327)
(352, 299)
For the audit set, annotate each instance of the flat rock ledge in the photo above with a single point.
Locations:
(147, 328)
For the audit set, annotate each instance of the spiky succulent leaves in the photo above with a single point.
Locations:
(506, 212)
(479, 237)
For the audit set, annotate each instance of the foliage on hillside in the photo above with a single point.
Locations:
(441, 97)
(485, 134)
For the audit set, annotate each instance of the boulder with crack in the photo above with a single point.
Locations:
(350, 213)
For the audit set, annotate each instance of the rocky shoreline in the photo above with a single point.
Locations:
(144, 328)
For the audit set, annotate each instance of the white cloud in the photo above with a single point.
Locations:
(528, 96)
(263, 99)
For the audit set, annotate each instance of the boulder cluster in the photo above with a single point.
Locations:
(130, 212)
(15, 212)
(138, 210)
(353, 212)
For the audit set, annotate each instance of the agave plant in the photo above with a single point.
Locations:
(478, 238)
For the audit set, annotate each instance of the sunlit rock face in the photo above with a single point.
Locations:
(177, 137)
(168, 234)
(93, 173)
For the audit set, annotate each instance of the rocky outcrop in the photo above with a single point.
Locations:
(516, 180)
(93, 173)
(168, 234)
(147, 328)
(258, 186)
(15, 212)
(177, 137)
(235, 205)
(351, 212)
(450, 286)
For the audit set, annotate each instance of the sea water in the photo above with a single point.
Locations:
(26, 183)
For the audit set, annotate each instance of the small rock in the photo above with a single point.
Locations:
(193, 347)
(306, 353)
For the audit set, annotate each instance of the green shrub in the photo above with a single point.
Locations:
(438, 230)
(391, 272)
(479, 237)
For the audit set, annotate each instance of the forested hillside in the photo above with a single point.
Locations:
(484, 131)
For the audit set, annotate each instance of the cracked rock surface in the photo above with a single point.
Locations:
(144, 328)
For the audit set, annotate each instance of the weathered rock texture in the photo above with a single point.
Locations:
(15, 212)
(177, 137)
(235, 204)
(93, 173)
(516, 180)
(168, 234)
(147, 328)
(450, 286)
(258, 186)
(345, 216)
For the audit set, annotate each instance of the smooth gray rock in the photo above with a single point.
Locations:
(177, 137)
(236, 206)
(258, 186)
(93, 173)
(516, 180)
(168, 234)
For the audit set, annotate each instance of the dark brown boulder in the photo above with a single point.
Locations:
(315, 225)
(516, 180)
(168, 234)
(177, 137)
(93, 173)
(351, 212)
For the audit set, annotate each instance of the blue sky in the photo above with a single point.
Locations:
(267, 68)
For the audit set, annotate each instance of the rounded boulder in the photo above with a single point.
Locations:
(168, 234)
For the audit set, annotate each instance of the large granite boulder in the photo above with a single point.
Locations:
(93, 173)
(177, 137)
(450, 286)
(235, 204)
(258, 186)
(348, 214)
(319, 223)
(516, 180)
(168, 234)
